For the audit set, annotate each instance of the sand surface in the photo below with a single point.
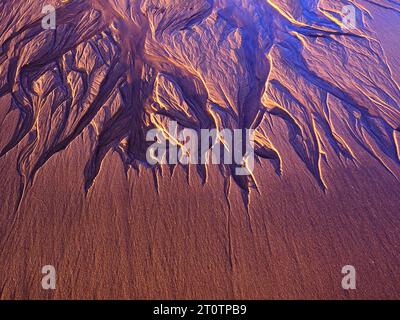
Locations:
(76, 191)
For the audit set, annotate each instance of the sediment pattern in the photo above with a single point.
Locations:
(121, 68)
